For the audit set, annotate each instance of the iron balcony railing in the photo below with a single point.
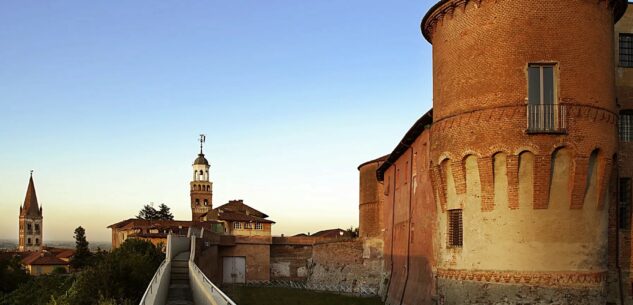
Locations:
(546, 118)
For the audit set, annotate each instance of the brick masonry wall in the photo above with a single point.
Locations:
(481, 52)
(410, 220)
(353, 266)
(256, 250)
(370, 201)
(289, 258)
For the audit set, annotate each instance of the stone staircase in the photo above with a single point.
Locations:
(179, 289)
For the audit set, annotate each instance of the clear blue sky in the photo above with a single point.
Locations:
(105, 100)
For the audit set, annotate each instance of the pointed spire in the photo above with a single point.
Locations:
(31, 207)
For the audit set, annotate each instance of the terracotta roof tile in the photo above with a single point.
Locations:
(42, 258)
(240, 207)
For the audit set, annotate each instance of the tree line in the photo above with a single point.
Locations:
(98, 278)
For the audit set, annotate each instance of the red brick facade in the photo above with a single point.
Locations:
(533, 199)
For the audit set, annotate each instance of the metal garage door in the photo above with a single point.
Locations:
(234, 269)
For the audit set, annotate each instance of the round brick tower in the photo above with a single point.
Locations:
(370, 222)
(522, 143)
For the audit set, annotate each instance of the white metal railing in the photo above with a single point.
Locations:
(547, 118)
(202, 286)
(155, 294)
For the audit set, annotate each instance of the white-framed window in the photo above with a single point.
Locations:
(259, 226)
(248, 225)
(237, 225)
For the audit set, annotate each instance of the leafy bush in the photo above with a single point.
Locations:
(38, 290)
(11, 275)
(119, 277)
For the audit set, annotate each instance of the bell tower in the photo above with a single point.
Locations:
(201, 188)
(30, 231)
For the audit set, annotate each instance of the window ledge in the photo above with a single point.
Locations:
(553, 132)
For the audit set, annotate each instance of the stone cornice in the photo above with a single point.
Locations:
(446, 8)
(518, 112)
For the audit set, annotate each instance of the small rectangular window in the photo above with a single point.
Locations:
(542, 87)
(625, 126)
(237, 225)
(624, 198)
(455, 228)
(626, 50)
(259, 226)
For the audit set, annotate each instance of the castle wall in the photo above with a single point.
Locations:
(289, 258)
(620, 277)
(533, 204)
(352, 266)
(371, 201)
(410, 228)
(481, 48)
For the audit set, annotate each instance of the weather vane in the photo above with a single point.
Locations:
(202, 139)
(31, 173)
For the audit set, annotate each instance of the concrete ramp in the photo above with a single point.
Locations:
(179, 288)
(179, 281)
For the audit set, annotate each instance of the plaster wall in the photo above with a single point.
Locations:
(266, 230)
(45, 269)
(531, 235)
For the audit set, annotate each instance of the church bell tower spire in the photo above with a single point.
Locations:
(30, 221)
(201, 187)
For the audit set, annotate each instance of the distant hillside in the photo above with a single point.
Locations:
(8, 244)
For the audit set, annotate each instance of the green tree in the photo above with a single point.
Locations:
(164, 212)
(39, 290)
(352, 232)
(82, 255)
(11, 275)
(148, 212)
(121, 277)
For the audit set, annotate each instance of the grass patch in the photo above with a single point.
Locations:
(287, 296)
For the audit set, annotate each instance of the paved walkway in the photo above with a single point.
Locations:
(179, 289)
